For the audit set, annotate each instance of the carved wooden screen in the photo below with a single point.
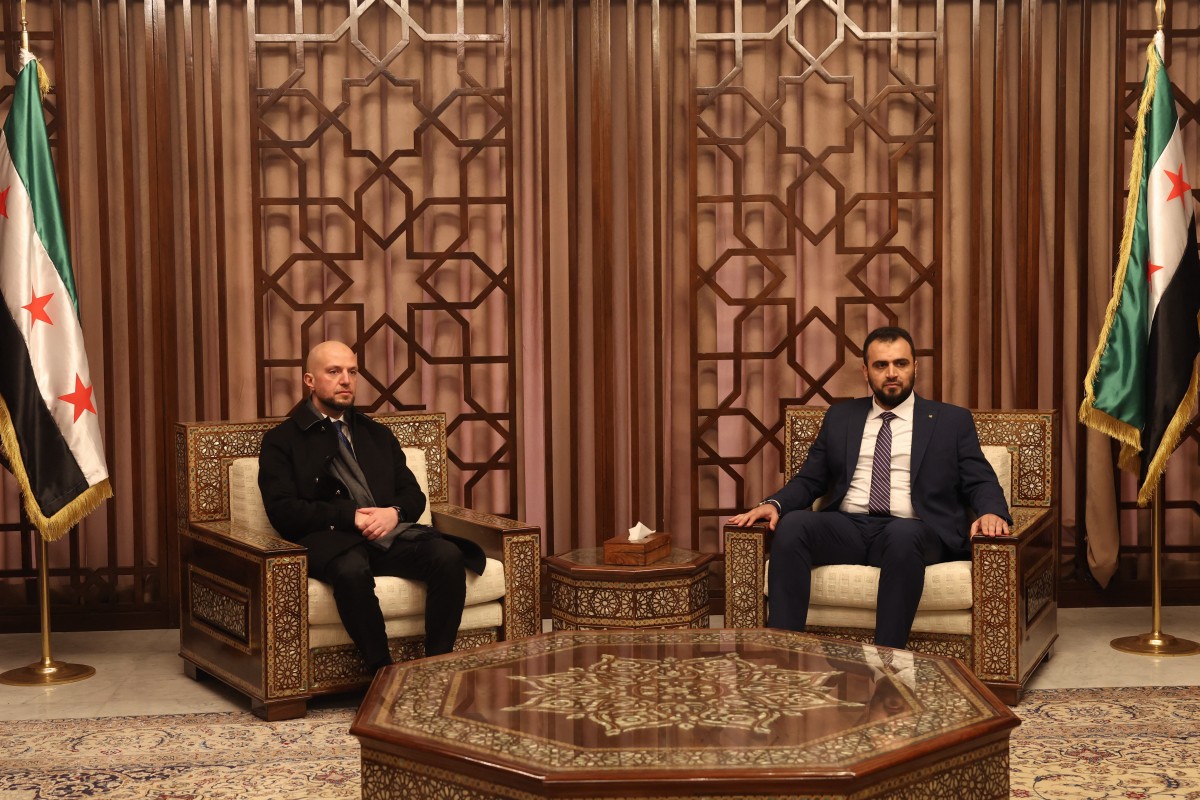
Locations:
(383, 189)
(817, 208)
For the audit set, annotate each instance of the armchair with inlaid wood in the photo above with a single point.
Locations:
(250, 615)
(996, 612)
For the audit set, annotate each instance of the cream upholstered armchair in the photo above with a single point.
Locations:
(996, 612)
(251, 617)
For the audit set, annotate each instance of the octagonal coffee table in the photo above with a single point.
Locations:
(682, 714)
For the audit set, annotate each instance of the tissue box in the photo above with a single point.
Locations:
(620, 551)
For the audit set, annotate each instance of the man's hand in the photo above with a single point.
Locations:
(375, 522)
(990, 525)
(763, 511)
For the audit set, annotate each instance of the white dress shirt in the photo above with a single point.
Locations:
(859, 494)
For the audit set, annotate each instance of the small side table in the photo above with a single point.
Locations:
(587, 593)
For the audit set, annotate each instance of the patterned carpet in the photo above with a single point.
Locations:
(226, 756)
(1096, 744)
(1074, 744)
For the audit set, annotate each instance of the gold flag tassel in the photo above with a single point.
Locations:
(43, 79)
(1129, 436)
(54, 527)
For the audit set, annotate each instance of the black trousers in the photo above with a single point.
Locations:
(901, 548)
(432, 560)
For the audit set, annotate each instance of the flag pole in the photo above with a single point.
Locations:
(1156, 643)
(46, 672)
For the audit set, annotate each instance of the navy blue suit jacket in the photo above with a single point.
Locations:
(952, 482)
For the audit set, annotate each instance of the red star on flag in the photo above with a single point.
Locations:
(81, 398)
(4, 202)
(1178, 185)
(37, 307)
(1153, 269)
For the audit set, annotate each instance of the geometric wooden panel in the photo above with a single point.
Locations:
(383, 197)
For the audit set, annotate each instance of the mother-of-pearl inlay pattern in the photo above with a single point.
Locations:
(721, 691)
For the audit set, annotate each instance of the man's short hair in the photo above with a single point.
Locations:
(889, 333)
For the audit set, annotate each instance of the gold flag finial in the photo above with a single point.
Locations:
(1160, 8)
(26, 56)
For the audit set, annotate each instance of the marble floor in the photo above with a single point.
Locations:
(139, 672)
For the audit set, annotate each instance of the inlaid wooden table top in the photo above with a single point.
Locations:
(734, 709)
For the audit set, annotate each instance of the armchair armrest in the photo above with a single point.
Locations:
(244, 610)
(1014, 591)
(241, 539)
(745, 553)
(518, 545)
(1028, 524)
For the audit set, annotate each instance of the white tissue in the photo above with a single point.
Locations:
(639, 532)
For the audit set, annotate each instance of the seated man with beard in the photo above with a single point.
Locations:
(899, 474)
(336, 481)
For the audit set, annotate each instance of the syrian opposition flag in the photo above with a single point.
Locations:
(49, 431)
(1141, 387)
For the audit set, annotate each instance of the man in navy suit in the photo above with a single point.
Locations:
(899, 474)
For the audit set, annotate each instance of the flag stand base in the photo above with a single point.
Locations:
(1156, 644)
(46, 672)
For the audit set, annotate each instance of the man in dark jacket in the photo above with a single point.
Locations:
(336, 481)
(899, 474)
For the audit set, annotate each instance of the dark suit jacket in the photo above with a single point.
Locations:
(309, 506)
(950, 476)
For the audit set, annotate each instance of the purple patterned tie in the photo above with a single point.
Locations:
(880, 502)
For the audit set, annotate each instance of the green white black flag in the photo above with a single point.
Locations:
(49, 431)
(1141, 387)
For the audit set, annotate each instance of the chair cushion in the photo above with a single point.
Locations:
(487, 615)
(1001, 460)
(245, 501)
(414, 457)
(400, 597)
(246, 505)
(864, 619)
(947, 586)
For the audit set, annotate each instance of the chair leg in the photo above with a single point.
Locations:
(194, 672)
(277, 710)
(1008, 693)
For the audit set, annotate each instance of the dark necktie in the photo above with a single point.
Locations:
(340, 425)
(880, 501)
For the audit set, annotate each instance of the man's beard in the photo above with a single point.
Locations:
(333, 401)
(892, 400)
